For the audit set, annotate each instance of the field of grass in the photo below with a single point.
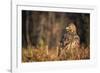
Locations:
(44, 54)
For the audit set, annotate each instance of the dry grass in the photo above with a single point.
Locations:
(37, 55)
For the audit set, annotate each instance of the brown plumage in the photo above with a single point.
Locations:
(70, 40)
(70, 37)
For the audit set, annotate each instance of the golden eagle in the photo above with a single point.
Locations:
(70, 39)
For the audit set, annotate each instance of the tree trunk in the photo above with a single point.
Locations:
(27, 30)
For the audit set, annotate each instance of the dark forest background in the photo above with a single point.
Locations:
(41, 28)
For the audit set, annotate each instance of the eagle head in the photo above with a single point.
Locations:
(71, 28)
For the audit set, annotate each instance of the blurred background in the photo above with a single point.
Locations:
(41, 28)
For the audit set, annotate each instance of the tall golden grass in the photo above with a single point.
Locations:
(42, 54)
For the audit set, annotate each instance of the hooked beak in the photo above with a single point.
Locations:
(67, 28)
